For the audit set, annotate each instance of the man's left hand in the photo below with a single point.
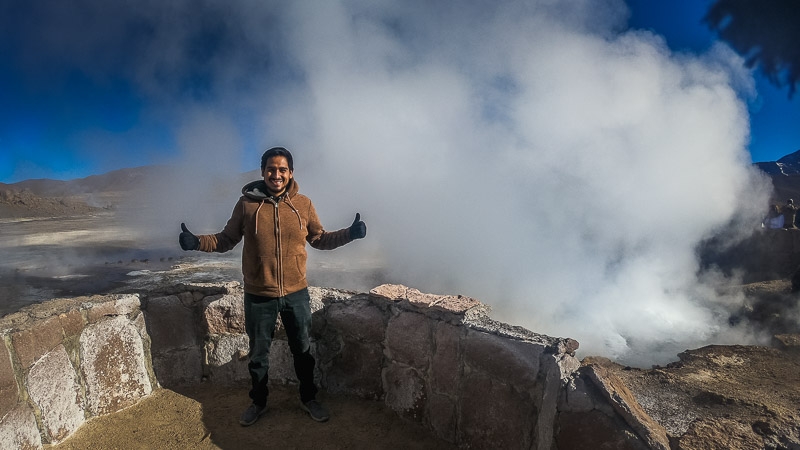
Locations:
(358, 229)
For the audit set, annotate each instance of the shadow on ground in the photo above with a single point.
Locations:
(203, 416)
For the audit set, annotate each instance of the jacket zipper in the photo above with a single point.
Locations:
(278, 250)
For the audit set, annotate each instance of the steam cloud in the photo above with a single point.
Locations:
(530, 154)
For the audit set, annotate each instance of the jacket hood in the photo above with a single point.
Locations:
(257, 190)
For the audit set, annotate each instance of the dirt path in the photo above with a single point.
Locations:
(205, 417)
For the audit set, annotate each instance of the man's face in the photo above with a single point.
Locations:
(277, 174)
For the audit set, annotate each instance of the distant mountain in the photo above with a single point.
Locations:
(56, 198)
(789, 165)
(121, 180)
(116, 180)
(785, 175)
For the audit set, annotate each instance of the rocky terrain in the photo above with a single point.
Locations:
(25, 204)
(714, 397)
(723, 396)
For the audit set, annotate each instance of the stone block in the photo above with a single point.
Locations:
(71, 322)
(447, 307)
(392, 292)
(320, 296)
(221, 349)
(406, 392)
(494, 415)
(54, 387)
(226, 358)
(577, 396)
(318, 323)
(171, 325)
(408, 339)
(179, 366)
(511, 361)
(446, 361)
(119, 306)
(9, 391)
(187, 299)
(100, 310)
(567, 346)
(442, 416)
(356, 370)
(329, 343)
(360, 320)
(113, 365)
(453, 304)
(595, 430)
(223, 314)
(43, 336)
(18, 429)
(568, 364)
(624, 403)
(128, 304)
(281, 362)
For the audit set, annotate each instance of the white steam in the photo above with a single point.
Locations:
(530, 154)
(561, 174)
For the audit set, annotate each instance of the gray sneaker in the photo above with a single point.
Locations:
(316, 411)
(251, 414)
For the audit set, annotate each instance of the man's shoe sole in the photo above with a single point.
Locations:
(247, 424)
(324, 419)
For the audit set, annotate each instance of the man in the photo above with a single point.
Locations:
(275, 222)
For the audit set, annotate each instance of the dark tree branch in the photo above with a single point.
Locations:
(766, 32)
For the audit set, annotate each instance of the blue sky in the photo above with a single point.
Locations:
(60, 120)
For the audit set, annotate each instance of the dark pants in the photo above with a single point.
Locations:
(260, 315)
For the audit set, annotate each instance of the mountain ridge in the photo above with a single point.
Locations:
(125, 179)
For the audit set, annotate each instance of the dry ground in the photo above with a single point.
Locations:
(723, 396)
(206, 417)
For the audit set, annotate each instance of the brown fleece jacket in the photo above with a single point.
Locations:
(275, 234)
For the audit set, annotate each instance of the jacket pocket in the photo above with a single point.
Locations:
(298, 271)
(262, 273)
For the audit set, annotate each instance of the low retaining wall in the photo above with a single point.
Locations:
(437, 360)
(67, 360)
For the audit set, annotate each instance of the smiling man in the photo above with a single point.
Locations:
(276, 222)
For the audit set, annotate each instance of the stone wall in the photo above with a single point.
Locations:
(437, 360)
(65, 361)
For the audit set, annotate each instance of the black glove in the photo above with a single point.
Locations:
(358, 229)
(187, 240)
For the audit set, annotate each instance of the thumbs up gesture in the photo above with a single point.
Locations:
(358, 229)
(187, 240)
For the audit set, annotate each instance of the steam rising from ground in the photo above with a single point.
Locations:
(556, 170)
(529, 154)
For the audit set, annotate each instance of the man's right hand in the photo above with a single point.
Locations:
(187, 240)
